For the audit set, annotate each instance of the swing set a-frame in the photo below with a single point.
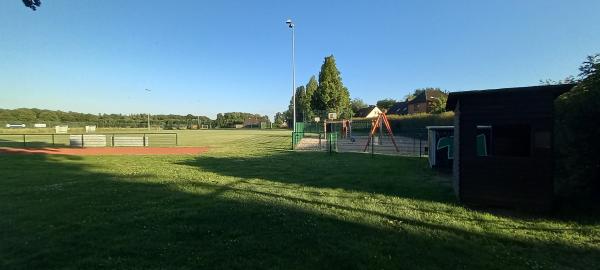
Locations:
(381, 120)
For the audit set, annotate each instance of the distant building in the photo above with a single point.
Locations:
(399, 108)
(423, 103)
(369, 112)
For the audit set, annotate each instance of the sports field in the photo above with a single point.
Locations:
(249, 202)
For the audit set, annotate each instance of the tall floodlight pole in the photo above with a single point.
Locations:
(293, 27)
(148, 90)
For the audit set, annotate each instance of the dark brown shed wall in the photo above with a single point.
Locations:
(504, 180)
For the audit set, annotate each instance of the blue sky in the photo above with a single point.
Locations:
(206, 57)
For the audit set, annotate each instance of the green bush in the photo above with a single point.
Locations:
(578, 137)
(420, 121)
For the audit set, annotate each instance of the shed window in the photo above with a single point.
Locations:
(511, 140)
(483, 140)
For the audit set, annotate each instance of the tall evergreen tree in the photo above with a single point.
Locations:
(331, 95)
(311, 88)
(301, 104)
(300, 100)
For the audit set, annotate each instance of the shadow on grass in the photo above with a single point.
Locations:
(62, 213)
(405, 177)
(397, 176)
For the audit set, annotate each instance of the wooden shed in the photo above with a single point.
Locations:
(517, 170)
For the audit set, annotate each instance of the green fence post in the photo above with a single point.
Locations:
(329, 142)
(373, 145)
(320, 147)
(332, 141)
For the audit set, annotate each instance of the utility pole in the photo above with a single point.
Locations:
(292, 26)
(148, 91)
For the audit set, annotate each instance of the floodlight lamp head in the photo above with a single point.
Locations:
(290, 23)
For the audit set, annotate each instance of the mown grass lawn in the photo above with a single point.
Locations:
(250, 203)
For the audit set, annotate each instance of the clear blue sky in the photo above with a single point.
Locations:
(205, 57)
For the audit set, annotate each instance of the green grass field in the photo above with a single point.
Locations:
(250, 203)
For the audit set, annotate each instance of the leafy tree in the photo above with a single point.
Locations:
(191, 120)
(279, 119)
(439, 105)
(357, 104)
(568, 79)
(385, 104)
(331, 95)
(48, 116)
(300, 100)
(230, 119)
(6, 115)
(419, 91)
(589, 67)
(415, 93)
(302, 103)
(577, 133)
(311, 88)
(32, 4)
(25, 115)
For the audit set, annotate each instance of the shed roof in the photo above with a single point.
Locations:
(554, 89)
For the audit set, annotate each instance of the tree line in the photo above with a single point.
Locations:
(30, 116)
(230, 119)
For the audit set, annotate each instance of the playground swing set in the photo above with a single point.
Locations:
(376, 124)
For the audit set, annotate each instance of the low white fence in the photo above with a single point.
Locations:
(162, 139)
(131, 141)
(87, 140)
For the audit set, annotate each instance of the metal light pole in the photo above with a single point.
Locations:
(293, 27)
(148, 90)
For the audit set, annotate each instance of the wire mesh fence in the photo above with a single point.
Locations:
(404, 144)
(353, 136)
